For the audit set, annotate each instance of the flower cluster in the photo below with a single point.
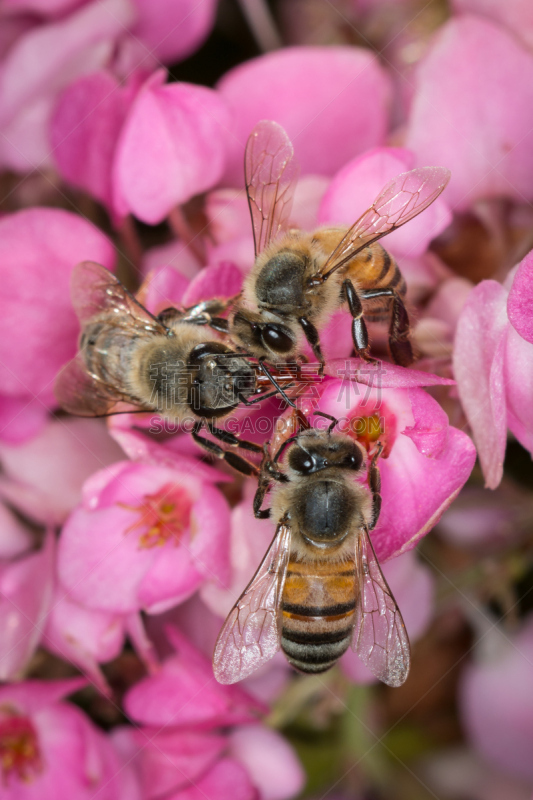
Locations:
(125, 542)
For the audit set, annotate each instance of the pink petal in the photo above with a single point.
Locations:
(357, 185)
(517, 15)
(416, 490)
(430, 431)
(25, 595)
(413, 587)
(222, 280)
(174, 254)
(163, 287)
(43, 244)
(478, 367)
(382, 374)
(84, 129)
(520, 300)
(20, 418)
(15, 539)
(325, 131)
(227, 780)
(31, 696)
(518, 381)
(473, 112)
(171, 148)
(269, 760)
(43, 477)
(173, 29)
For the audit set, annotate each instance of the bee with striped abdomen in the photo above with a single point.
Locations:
(319, 588)
(299, 279)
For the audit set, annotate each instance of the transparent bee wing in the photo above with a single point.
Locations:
(95, 290)
(83, 394)
(401, 200)
(270, 173)
(379, 639)
(251, 634)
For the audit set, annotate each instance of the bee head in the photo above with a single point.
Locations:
(262, 338)
(314, 451)
(219, 377)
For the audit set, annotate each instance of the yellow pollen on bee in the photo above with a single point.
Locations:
(164, 516)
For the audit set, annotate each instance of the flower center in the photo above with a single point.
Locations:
(367, 430)
(19, 748)
(164, 515)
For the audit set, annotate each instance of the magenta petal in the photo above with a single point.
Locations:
(416, 490)
(227, 780)
(32, 696)
(20, 418)
(430, 431)
(478, 368)
(43, 244)
(171, 148)
(25, 595)
(222, 280)
(473, 111)
(293, 86)
(270, 761)
(163, 287)
(84, 130)
(520, 300)
(357, 185)
(382, 374)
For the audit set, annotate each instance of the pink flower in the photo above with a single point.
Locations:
(15, 539)
(473, 111)
(43, 477)
(38, 249)
(269, 760)
(495, 701)
(493, 365)
(517, 15)
(144, 537)
(312, 92)
(171, 30)
(49, 746)
(25, 595)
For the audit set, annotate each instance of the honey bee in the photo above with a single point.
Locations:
(299, 279)
(162, 364)
(319, 588)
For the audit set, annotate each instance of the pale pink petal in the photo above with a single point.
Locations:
(228, 213)
(227, 780)
(175, 254)
(172, 147)
(293, 86)
(43, 244)
(359, 183)
(495, 702)
(33, 696)
(26, 589)
(239, 251)
(478, 368)
(163, 287)
(413, 587)
(15, 539)
(473, 111)
(222, 280)
(308, 197)
(518, 380)
(382, 374)
(43, 7)
(43, 477)
(520, 300)
(173, 29)
(517, 15)
(430, 431)
(416, 490)
(269, 760)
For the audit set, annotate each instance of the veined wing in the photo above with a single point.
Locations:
(94, 289)
(379, 639)
(83, 394)
(251, 634)
(401, 200)
(270, 174)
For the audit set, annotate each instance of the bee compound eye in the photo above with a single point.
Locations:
(301, 461)
(354, 460)
(277, 339)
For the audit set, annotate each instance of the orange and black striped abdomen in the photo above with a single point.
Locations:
(375, 268)
(317, 606)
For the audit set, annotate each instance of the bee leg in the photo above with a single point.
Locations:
(374, 481)
(234, 460)
(257, 399)
(359, 331)
(263, 367)
(232, 440)
(311, 334)
(400, 345)
(262, 489)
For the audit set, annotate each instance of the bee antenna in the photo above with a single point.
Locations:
(327, 416)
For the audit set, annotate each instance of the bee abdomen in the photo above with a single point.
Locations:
(314, 652)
